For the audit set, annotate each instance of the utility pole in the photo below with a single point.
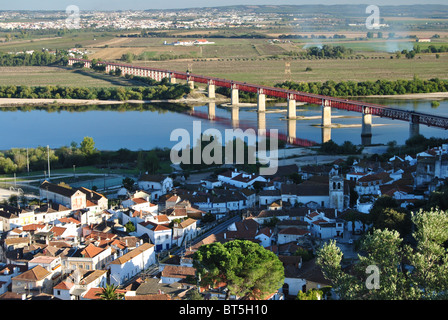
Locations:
(48, 157)
(27, 161)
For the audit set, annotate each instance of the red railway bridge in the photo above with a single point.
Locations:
(327, 103)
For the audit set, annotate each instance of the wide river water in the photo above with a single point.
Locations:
(114, 129)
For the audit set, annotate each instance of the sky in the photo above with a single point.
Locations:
(178, 4)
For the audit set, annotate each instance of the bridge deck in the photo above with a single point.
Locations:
(338, 103)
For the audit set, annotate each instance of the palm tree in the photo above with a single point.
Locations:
(109, 292)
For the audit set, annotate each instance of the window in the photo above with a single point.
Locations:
(59, 292)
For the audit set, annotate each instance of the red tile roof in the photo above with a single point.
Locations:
(64, 285)
(91, 251)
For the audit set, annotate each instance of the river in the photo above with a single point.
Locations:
(114, 128)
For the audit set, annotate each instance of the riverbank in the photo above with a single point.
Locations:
(410, 96)
(15, 102)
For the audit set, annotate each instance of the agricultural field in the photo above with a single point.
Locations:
(43, 76)
(258, 60)
(269, 72)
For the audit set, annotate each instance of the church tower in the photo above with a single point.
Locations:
(336, 192)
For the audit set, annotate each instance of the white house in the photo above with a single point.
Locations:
(240, 179)
(265, 236)
(7, 272)
(156, 185)
(323, 227)
(140, 204)
(160, 235)
(184, 231)
(52, 264)
(291, 234)
(131, 263)
(78, 283)
(90, 257)
(266, 197)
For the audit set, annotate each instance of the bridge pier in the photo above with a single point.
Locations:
(292, 111)
(211, 90)
(235, 117)
(326, 113)
(211, 110)
(234, 96)
(261, 123)
(414, 126)
(190, 83)
(366, 130)
(172, 79)
(291, 131)
(326, 134)
(261, 101)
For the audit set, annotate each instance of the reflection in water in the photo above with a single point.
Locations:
(145, 126)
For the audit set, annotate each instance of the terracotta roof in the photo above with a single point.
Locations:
(266, 231)
(154, 226)
(383, 177)
(33, 227)
(132, 254)
(42, 259)
(69, 220)
(317, 222)
(295, 231)
(8, 295)
(90, 203)
(64, 285)
(58, 231)
(162, 218)
(187, 223)
(91, 251)
(149, 297)
(172, 198)
(178, 272)
(91, 276)
(35, 274)
(139, 200)
(208, 240)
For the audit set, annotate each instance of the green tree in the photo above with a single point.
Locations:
(247, 268)
(88, 146)
(406, 272)
(109, 292)
(312, 294)
(128, 183)
(130, 227)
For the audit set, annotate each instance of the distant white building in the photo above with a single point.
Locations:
(240, 179)
(131, 263)
(156, 185)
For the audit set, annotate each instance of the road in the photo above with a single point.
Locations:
(217, 229)
(154, 269)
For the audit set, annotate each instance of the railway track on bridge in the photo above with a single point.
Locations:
(333, 102)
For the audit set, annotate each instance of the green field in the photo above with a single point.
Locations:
(273, 71)
(254, 60)
(43, 76)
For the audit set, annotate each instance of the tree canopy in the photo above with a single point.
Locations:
(248, 269)
(405, 272)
